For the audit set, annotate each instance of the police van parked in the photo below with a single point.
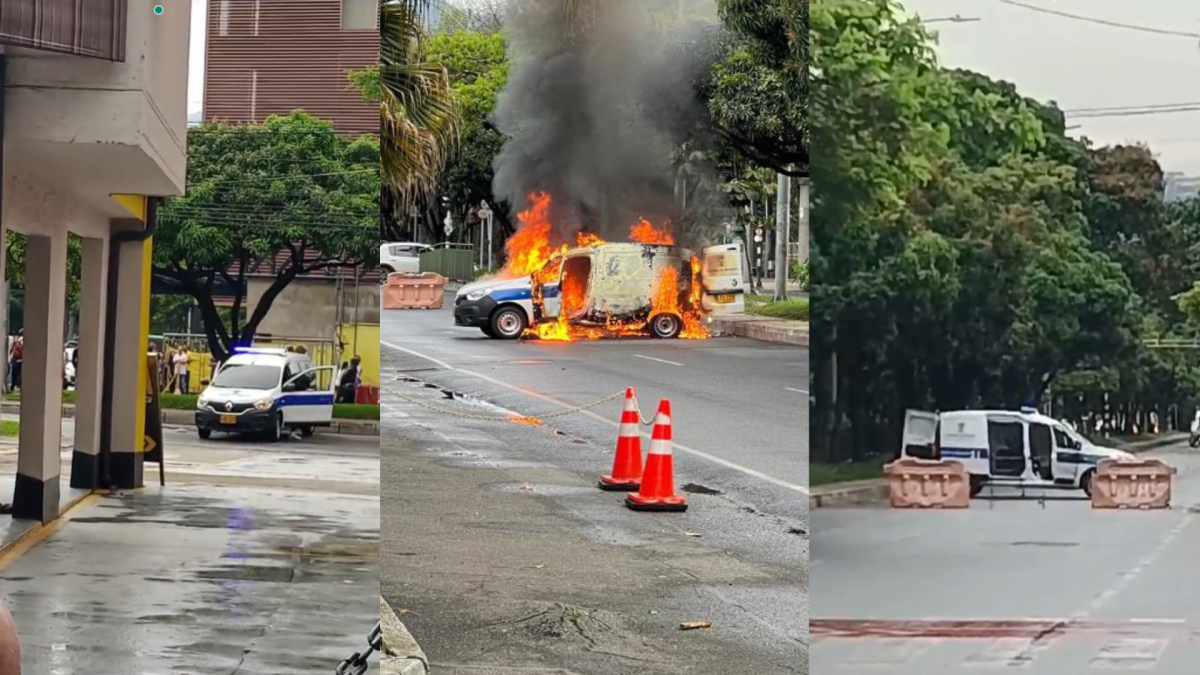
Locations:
(267, 392)
(1002, 447)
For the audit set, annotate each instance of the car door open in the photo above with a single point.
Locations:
(308, 397)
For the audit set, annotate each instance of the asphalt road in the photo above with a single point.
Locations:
(740, 401)
(1052, 587)
(504, 555)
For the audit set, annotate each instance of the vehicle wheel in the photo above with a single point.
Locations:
(307, 431)
(1085, 483)
(487, 330)
(204, 433)
(508, 323)
(384, 271)
(977, 483)
(666, 326)
(277, 431)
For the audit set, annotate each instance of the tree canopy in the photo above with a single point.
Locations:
(284, 198)
(966, 250)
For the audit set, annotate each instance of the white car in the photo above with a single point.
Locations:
(400, 257)
(265, 391)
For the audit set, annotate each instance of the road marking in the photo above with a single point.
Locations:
(1136, 571)
(682, 448)
(798, 391)
(651, 358)
(410, 352)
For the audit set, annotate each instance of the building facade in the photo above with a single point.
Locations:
(270, 57)
(94, 125)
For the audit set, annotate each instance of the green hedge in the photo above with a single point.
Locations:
(800, 274)
(795, 310)
(341, 411)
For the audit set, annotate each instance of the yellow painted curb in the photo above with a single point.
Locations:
(13, 550)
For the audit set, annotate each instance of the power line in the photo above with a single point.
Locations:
(1102, 22)
(1124, 108)
(286, 177)
(1138, 113)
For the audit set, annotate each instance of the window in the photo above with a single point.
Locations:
(360, 14)
(1063, 440)
(223, 19)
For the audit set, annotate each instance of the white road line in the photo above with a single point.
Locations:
(1130, 576)
(440, 364)
(798, 391)
(651, 358)
(682, 448)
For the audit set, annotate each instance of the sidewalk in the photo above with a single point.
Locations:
(198, 579)
(762, 328)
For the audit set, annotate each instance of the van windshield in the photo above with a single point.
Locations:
(248, 376)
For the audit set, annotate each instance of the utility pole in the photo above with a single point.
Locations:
(783, 213)
(804, 236)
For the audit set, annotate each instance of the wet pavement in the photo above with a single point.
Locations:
(506, 558)
(199, 580)
(255, 559)
(1051, 586)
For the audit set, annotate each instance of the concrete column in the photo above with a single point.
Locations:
(90, 373)
(39, 462)
(131, 334)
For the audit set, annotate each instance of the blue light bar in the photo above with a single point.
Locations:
(265, 351)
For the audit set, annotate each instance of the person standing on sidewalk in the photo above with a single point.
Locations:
(181, 360)
(16, 356)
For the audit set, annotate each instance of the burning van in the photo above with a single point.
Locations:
(599, 290)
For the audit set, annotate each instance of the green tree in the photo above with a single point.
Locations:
(758, 92)
(284, 198)
(418, 118)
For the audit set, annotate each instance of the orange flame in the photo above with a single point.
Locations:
(644, 232)
(530, 247)
(585, 239)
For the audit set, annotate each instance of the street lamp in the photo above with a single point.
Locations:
(485, 214)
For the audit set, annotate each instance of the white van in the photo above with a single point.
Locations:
(615, 279)
(1003, 447)
(268, 392)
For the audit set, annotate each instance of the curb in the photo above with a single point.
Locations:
(400, 655)
(186, 418)
(857, 493)
(765, 330)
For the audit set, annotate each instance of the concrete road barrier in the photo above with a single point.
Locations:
(927, 484)
(1138, 484)
(414, 291)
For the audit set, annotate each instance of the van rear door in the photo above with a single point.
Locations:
(724, 292)
(920, 435)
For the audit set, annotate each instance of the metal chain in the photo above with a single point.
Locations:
(507, 418)
(357, 663)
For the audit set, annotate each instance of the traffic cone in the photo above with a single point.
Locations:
(626, 473)
(657, 492)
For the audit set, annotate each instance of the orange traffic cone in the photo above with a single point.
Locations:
(657, 492)
(626, 473)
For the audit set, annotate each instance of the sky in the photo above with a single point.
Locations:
(196, 58)
(1083, 64)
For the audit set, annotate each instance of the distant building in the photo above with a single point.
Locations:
(1180, 186)
(270, 57)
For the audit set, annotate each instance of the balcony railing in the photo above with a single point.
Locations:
(94, 28)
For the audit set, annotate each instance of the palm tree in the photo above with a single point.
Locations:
(417, 112)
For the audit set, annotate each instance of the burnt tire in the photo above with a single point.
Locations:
(666, 326)
(507, 323)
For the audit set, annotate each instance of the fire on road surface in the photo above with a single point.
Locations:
(533, 251)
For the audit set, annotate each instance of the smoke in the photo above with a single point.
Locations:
(596, 104)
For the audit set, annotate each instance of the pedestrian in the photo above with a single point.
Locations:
(181, 360)
(16, 357)
(346, 384)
